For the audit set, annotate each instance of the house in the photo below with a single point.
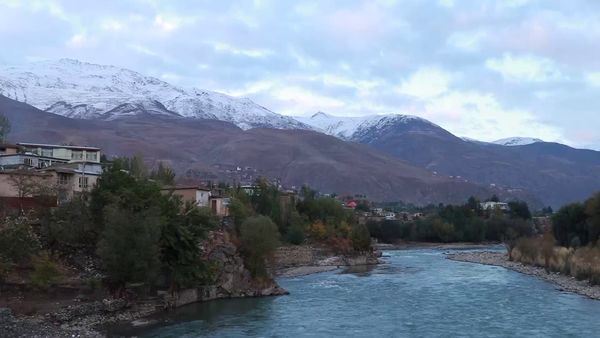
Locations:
(72, 178)
(388, 215)
(250, 190)
(350, 205)
(27, 160)
(63, 152)
(8, 149)
(219, 205)
(197, 195)
(494, 206)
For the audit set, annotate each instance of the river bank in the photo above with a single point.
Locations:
(302, 260)
(433, 245)
(563, 282)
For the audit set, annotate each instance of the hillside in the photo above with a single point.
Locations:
(207, 149)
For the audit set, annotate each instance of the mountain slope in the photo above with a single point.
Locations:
(82, 90)
(207, 149)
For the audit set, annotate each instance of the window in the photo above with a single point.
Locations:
(47, 152)
(28, 161)
(63, 179)
(83, 182)
(77, 155)
(91, 156)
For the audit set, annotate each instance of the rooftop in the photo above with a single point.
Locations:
(42, 145)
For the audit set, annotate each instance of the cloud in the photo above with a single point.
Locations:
(593, 79)
(426, 83)
(525, 68)
(485, 69)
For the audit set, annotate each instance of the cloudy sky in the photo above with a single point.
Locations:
(482, 69)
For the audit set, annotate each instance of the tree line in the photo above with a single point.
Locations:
(458, 223)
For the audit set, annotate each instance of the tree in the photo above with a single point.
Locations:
(70, 225)
(570, 221)
(4, 128)
(163, 174)
(130, 244)
(360, 237)
(295, 234)
(18, 242)
(519, 209)
(444, 231)
(186, 225)
(260, 238)
(592, 211)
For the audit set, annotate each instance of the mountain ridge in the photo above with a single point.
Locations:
(78, 89)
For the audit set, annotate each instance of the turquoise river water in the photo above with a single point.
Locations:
(417, 293)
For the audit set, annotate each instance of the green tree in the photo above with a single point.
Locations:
(592, 211)
(4, 128)
(519, 209)
(360, 237)
(18, 241)
(568, 222)
(130, 244)
(186, 226)
(163, 174)
(260, 238)
(70, 226)
(295, 234)
(443, 231)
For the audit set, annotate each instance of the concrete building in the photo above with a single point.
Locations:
(219, 206)
(63, 152)
(198, 195)
(494, 206)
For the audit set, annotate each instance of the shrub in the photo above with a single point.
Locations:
(360, 237)
(318, 230)
(45, 272)
(18, 242)
(442, 230)
(70, 225)
(129, 245)
(259, 237)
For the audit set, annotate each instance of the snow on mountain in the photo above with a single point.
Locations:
(517, 141)
(352, 128)
(88, 91)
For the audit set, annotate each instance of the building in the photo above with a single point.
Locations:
(63, 152)
(494, 206)
(197, 195)
(8, 149)
(219, 205)
(27, 161)
(73, 178)
(58, 171)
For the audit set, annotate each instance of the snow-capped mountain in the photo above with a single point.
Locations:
(358, 128)
(517, 141)
(88, 91)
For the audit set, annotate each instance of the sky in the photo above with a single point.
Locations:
(484, 69)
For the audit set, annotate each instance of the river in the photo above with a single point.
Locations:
(417, 293)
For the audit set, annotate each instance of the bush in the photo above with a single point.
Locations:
(45, 272)
(129, 245)
(18, 242)
(360, 237)
(70, 226)
(259, 237)
(295, 234)
(442, 230)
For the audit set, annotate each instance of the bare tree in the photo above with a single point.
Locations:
(28, 184)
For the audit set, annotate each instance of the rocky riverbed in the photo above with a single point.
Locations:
(564, 283)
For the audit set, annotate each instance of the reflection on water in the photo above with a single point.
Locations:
(416, 293)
